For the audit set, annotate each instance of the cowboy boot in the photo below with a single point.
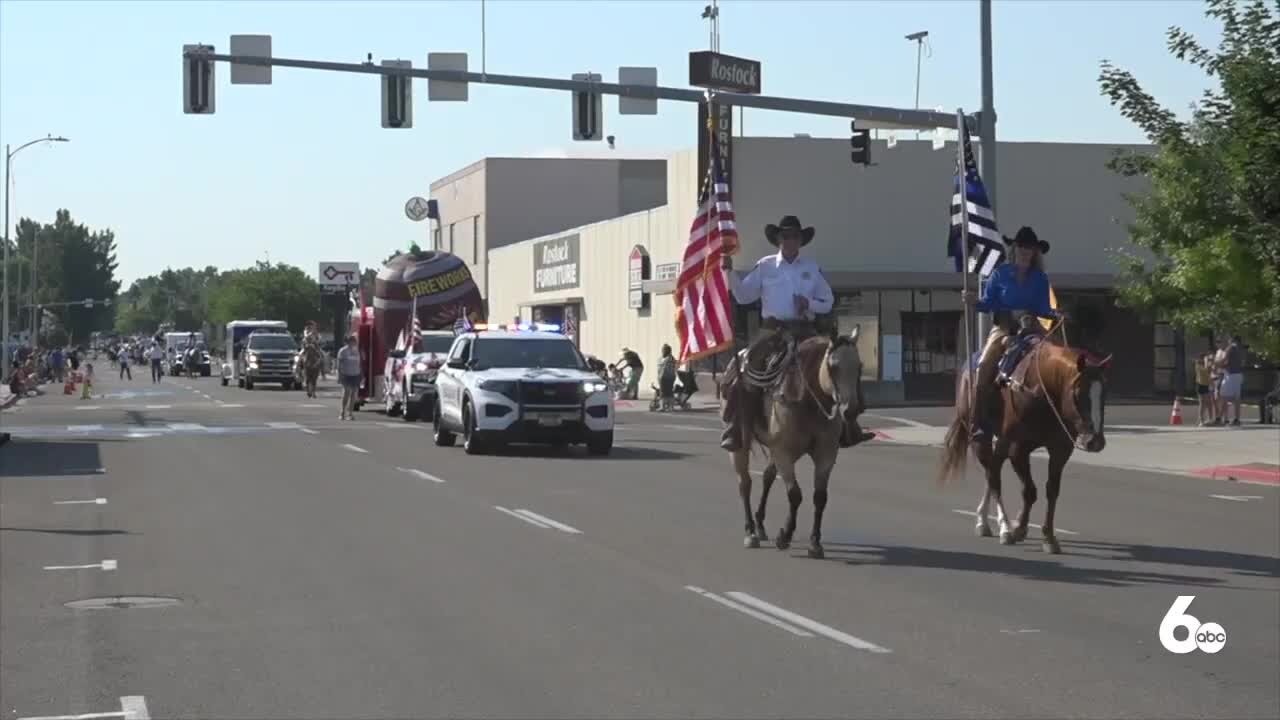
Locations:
(852, 433)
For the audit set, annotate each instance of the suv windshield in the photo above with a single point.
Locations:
(272, 342)
(525, 353)
(439, 344)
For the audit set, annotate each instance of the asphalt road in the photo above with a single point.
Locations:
(328, 569)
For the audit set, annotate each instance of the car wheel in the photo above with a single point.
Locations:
(472, 443)
(600, 443)
(442, 437)
(392, 407)
(287, 385)
(248, 384)
(225, 382)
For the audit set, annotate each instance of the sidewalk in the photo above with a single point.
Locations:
(1250, 453)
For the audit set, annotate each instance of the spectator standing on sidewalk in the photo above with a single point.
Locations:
(1215, 379)
(88, 382)
(156, 355)
(1232, 381)
(349, 374)
(1204, 377)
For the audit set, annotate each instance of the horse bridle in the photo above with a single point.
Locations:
(837, 401)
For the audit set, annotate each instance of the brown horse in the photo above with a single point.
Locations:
(804, 417)
(1057, 402)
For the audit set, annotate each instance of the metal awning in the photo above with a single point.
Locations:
(576, 299)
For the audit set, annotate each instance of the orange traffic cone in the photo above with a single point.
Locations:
(1175, 418)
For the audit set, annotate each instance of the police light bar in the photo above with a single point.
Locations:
(518, 327)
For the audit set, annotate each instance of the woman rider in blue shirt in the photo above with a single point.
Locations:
(1020, 287)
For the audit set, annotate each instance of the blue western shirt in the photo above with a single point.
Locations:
(1004, 292)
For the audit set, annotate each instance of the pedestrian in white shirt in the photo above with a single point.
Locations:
(156, 354)
(792, 292)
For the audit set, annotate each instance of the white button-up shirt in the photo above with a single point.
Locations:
(775, 283)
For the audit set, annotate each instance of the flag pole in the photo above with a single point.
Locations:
(963, 190)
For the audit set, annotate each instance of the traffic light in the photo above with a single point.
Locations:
(397, 97)
(861, 143)
(588, 111)
(197, 81)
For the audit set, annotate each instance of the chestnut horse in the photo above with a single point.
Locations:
(1057, 402)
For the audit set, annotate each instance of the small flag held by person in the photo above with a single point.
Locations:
(704, 311)
(986, 247)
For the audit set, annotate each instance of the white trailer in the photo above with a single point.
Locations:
(237, 331)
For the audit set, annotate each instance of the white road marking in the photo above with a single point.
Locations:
(284, 425)
(905, 421)
(229, 405)
(690, 427)
(311, 405)
(142, 434)
(421, 474)
(135, 707)
(973, 514)
(186, 426)
(104, 565)
(309, 431)
(353, 448)
(156, 407)
(1019, 631)
(549, 522)
(84, 428)
(88, 407)
(810, 625)
(1237, 498)
(95, 501)
(515, 514)
(86, 716)
(747, 611)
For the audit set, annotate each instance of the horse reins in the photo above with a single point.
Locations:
(1075, 439)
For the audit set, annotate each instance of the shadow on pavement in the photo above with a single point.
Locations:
(619, 452)
(39, 458)
(1040, 568)
(1249, 565)
(81, 533)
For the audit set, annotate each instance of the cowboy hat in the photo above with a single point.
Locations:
(788, 223)
(1026, 237)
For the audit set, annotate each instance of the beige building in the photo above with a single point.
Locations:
(881, 241)
(499, 201)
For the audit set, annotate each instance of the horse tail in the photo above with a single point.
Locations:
(955, 446)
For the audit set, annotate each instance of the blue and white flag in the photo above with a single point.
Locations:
(986, 246)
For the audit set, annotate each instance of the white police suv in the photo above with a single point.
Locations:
(520, 383)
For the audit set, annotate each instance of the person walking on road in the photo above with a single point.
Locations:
(349, 373)
(1204, 378)
(155, 354)
(122, 357)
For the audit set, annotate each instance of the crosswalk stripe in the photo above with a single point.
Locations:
(186, 426)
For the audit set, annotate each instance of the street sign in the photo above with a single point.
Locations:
(724, 72)
(443, 90)
(417, 209)
(338, 275)
(588, 111)
(646, 76)
(251, 46)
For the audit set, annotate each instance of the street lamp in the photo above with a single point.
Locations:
(8, 167)
(919, 38)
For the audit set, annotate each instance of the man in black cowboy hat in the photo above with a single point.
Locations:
(792, 292)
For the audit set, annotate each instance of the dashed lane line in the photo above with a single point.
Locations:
(747, 611)
(421, 475)
(104, 565)
(554, 524)
(353, 448)
(808, 624)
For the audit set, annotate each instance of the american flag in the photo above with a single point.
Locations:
(986, 247)
(703, 310)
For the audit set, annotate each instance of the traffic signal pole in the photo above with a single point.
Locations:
(867, 115)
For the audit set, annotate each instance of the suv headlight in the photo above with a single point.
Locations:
(506, 388)
(594, 386)
(420, 367)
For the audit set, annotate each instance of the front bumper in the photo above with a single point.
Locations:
(422, 390)
(513, 421)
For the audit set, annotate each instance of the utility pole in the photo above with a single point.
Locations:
(987, 131)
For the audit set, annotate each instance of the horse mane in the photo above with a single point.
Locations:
(1057, 366)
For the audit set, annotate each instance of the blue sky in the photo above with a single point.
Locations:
(301, 170)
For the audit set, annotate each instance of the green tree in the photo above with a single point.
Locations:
(178, 297)
(1212, 217)
(74, 264)
(265, 292)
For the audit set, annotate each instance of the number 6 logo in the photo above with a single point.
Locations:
(1209, 637)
